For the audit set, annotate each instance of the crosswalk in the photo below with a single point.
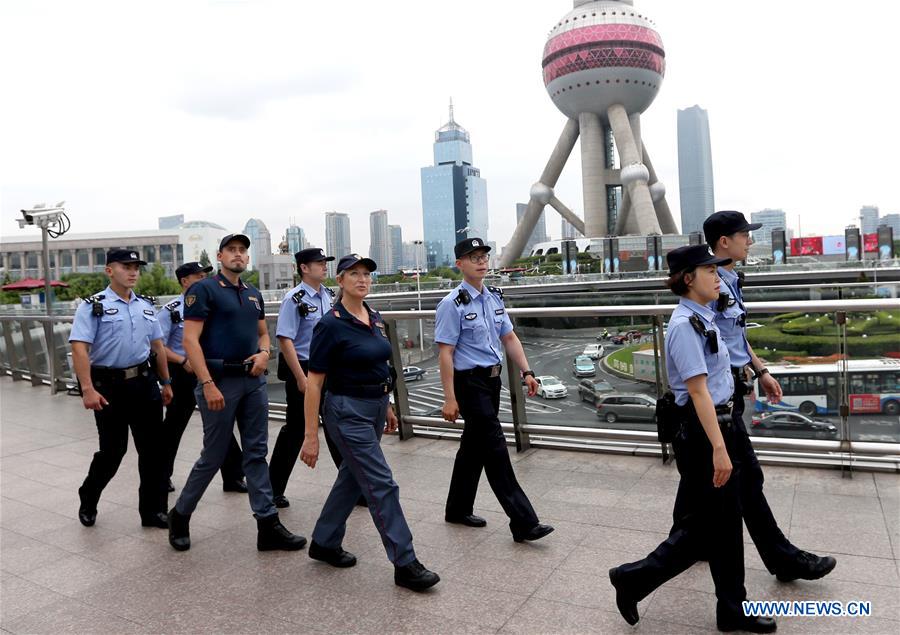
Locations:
(428, 397)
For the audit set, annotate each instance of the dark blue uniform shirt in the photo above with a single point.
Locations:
(231, 315)
(348, 351)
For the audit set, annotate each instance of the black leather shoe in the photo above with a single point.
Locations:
(415, 576)
(747, 623)
(171, 486)
(806, 566)
(87, 517)
(281, 502)
(272, 535)
(627, 605)
(535, 533)
(159, 520)
(179, 530)
(469, 521)
(235, 486)
(335, 557)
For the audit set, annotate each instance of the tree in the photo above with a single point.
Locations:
(155, 283)
(204, 259)
(81, 285)
(251, 277)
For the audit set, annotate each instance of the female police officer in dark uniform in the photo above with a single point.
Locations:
(350, 350)
(699, 371)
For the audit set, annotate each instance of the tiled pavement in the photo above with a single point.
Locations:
(58, 576)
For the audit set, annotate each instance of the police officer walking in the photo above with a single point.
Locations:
(728, 235)
(709, 522)
(178, 413)
(227, 344)
(470, 326)
(112, 337)
(350, 350)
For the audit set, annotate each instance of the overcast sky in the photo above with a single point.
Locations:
(285, 110)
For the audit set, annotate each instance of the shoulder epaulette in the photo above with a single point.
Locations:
(95, 298)
(174, 304)
(147, 298)
(330, 291)
(298, 296)
(496, 290)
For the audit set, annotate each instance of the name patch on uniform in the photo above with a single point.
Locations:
(312, 309)
(499, 311)
(380, 326)
(189, 300)
(470, 316)
(149, 312)
(111, 311)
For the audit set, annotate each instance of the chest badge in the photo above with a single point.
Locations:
(499, 311)
(470, 316)
(149, 312)
(111, 311)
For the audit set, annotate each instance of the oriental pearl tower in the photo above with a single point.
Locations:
(603, 64)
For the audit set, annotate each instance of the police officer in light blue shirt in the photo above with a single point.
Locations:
(112, 336)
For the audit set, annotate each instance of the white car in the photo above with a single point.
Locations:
(594, 351)
(549, 387)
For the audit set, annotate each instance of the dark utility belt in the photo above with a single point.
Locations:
(481, 371)
(360, 390)
(224, 368)
(670, 418)
(120, 374)
(742, 386)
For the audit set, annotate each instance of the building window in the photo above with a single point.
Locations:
(81, 256)
(99, 258)
(15, 261)
(165, 253)
(66, 258)
(150, 254)
(31, 260)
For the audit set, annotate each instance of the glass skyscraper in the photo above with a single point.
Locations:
(868, 219)
(454, 196)
(260, 240)
(380, 241)
(337, 238)
(770, 219)
(695, 172)
(396, 236)
(538, 234)
(296, 238)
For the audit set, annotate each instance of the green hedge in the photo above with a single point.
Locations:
(873, 345)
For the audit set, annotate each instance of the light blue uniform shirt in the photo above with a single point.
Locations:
(729, 321)
(172, 333)
(121, 337)
(474, 329)
(688, 354)
(295, 327)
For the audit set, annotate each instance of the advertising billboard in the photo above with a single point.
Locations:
(851, 240)
(809, 246)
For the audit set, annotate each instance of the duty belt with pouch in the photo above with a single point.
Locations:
(361, 390)
(103, 373)
(482, 371)
(224, 368)
(688, 412)
(742, 386)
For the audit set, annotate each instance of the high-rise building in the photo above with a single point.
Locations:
(380, 241)
(695, 171)
(260, 240)
(893, 221)
(170, 222)
(454, 196)
(770, 219)
(868, 219)
(413, 254)
(538, 234)
(396, 239)
(567, 230)
(337, 238)
(296, 238)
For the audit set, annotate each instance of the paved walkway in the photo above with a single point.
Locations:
(58, 576)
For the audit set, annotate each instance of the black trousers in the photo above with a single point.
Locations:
(708, 525)
(134, 403)
(483, 446)
(774, 548)
(178, 414)
(290, 437)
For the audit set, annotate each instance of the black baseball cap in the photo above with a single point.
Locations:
(351, 259)
(725, 224)
(469, 245)
(124, 256)
(691, 256)
(313, 254)
(189, 268)
(238, 237)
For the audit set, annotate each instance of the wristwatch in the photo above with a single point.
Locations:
(165, 382)
(527, 373)
(759, 373)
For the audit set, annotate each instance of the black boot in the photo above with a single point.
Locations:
(415, 576)
(806, 566)
(179, 530)
(87, 510)
(238, 486)
(158, 520)
(272, 536)
(335, 557)
(626, 604)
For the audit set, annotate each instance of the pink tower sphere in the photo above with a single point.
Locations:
(602, 53)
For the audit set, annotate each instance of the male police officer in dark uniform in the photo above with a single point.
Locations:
(227, 343)
(112, 336)
(728, 235)
(178, 413)
(470, 326)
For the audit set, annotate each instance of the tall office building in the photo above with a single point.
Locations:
(695, 172)
(260, 240)
(396, 238)
(380, 241)
(868, 219)
(454, 196)
(770, 219)
(296, 238)
(893, 221)
(538, 234)
(337, 238)
(414, 254)
(170, 222)
(567, 230)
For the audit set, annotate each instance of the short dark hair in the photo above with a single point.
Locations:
(676, 282)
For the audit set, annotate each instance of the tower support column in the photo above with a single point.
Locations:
(634, 173)
(593, 168)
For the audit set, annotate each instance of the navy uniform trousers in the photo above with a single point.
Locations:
(137, 404)
(178, 414)
(247, 401)
(483, 446)
(709, 525)
(356, 425)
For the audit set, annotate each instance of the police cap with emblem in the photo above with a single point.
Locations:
(692, 256)
(190, 268)
(313, 254)
(725, 224)
(351, 259)
(124, 256)
(238, 237)
(469, 245)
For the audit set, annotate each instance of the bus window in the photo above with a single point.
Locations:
(798, 385)
(857, 384)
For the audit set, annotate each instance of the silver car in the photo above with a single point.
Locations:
(627, 407)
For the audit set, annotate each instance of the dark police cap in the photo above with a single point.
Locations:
(190, 268)
(691, 256)
(469, 245)
(725, 224)
(313, 254)
(238, 237)
(124, 256)
(351, 259)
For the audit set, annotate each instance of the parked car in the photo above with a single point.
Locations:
(592, 389)
(583, 366)
(627, 407)
(413, 373)
(793, 422)
(594, 351)
(549, 387)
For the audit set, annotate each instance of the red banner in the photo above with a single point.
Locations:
(865, 404)
(870, 243)
(811, 246)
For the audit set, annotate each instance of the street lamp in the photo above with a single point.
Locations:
(416, 244)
